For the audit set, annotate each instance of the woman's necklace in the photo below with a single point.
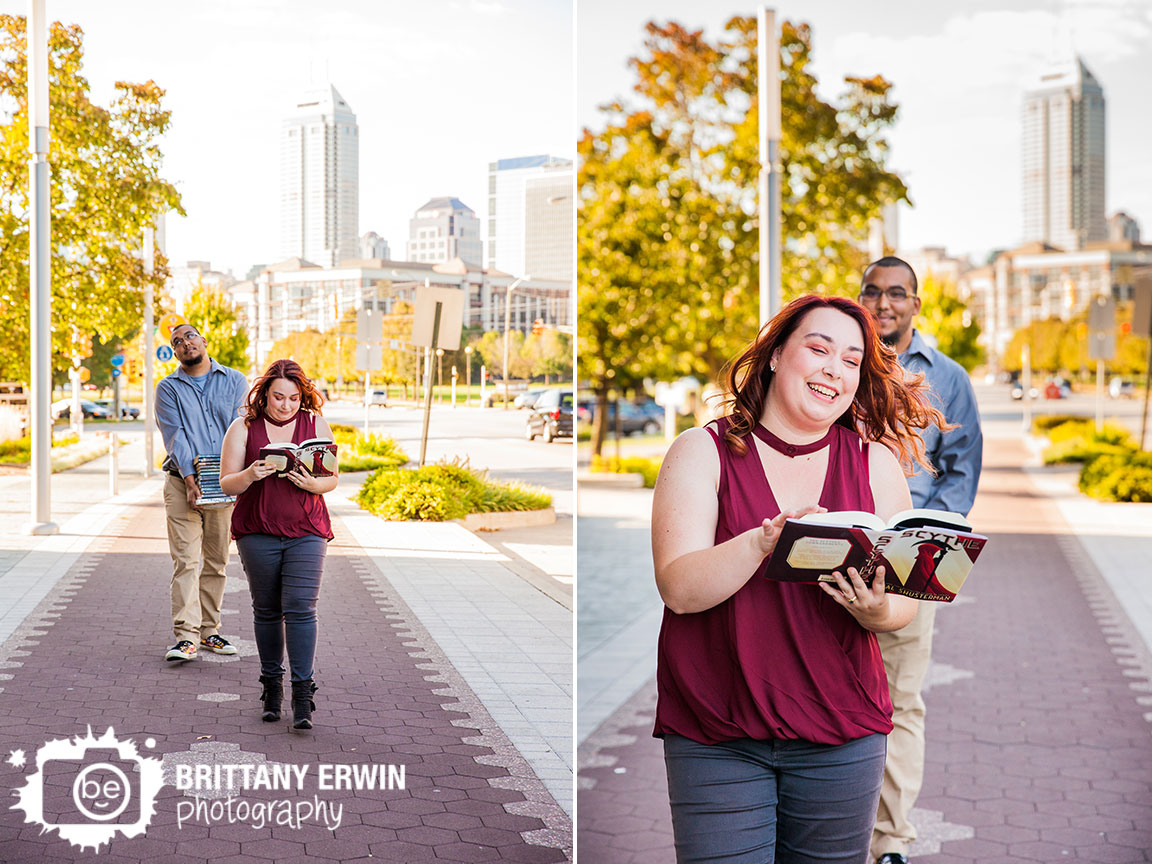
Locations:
(291, 419)
(791, 450)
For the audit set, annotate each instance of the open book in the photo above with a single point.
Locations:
(926, 554)
(316, 456)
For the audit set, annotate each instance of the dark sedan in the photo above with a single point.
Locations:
(550, 416)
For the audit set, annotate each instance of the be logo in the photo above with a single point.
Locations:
(90, 789)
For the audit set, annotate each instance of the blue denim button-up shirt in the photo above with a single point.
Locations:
(193, 423)
(957, 454)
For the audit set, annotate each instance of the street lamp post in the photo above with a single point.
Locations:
(439, 368)
(468, 361)
(507, 324)
(39, 273)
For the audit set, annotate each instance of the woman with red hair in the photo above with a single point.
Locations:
(773, 702)
(281, 527)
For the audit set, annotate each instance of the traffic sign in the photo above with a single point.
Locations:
(169, 323)
(117, 359)
(116, 372)
(164, 353)
(85, 373)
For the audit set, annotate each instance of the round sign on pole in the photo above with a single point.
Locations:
(164, 353)
(169, 323)
(85, 373)
(117, 359)
(116, 372)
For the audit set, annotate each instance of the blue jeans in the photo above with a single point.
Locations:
(284, 578)
(760, 802)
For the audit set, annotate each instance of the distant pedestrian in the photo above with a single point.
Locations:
(282, 529)
(772, 704)
(889, 292)
(194, 407)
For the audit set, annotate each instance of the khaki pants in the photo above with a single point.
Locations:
(198, 542)
(906, 654)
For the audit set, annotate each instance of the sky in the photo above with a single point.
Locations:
(440, 89)
(959, 72)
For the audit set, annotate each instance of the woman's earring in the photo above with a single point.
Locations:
(772, 367)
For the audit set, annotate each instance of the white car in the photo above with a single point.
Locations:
(379, 397)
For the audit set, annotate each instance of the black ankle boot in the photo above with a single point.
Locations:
(273, 695)
(302, 704)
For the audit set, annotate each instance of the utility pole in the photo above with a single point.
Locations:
(39, 272)
(149, 351)
(768, 42)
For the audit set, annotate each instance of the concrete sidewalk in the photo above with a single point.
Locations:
(466, 694)
(1039, 697)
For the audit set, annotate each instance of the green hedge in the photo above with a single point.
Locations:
(1078, 441)
(358, 452)
(436, 493)
(649, 468)
(20, 450)
(1118, 477)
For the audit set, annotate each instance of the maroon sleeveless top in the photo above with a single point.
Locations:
(276, 505)
(776, 659)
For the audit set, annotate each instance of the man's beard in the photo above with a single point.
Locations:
(890, 339)
(192, 361)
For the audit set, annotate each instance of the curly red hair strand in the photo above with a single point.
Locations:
(257, 402)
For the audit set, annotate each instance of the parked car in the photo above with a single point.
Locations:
(1118, 388)
(1018, 392)
(551, 416)
(62, 410)
(127, 412)
(528, 398)
(379, 397)
(646, 418)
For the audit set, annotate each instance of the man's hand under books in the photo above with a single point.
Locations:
(770, 528)
(192, 490)
(868, 604)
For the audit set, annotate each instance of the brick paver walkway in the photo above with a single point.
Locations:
(91, 655)
(1039, 733)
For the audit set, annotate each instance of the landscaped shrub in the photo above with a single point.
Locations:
(1042, 423)
(648, 468)
(1118, 477)
(20, 450)
(1078, 441)
(436, 493)
(360, 452)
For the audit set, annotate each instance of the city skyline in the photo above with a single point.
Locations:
(440, 90)
(959, 76)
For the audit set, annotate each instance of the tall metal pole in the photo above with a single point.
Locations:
(507, 324)
(149, 352)
(768, 42)
(39, 272)
(428, 382)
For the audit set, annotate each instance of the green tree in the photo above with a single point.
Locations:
(211, 314)
(549, 355)
(945, 316)
(104, 166)
(668, 241)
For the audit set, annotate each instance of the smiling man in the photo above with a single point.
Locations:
(194, 407)
(889, 291)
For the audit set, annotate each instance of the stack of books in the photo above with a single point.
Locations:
(208, 476)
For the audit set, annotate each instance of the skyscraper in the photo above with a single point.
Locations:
(1064, 159)
(320, 179)
(443, 229)
(531, 226)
